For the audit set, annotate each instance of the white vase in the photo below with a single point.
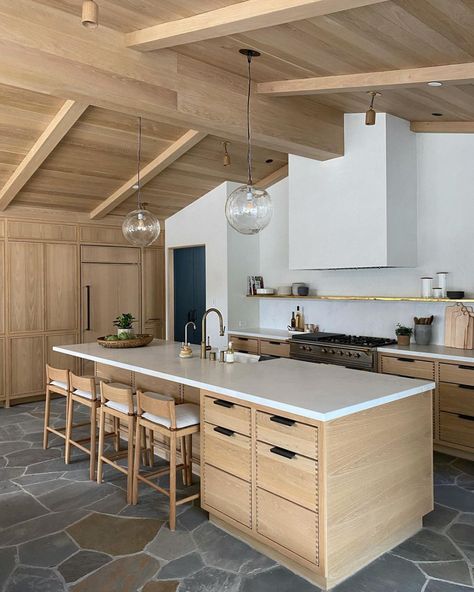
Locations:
(128, 332)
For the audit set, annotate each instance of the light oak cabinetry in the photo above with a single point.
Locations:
(317, 496)
(154, 292)
(263, 347)
(453, 404)
(26, 366)
(61, 287)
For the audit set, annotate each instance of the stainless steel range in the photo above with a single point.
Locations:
(336, 348)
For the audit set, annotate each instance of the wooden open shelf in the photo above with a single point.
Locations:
(379, 298)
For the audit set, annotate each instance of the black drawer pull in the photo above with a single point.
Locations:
(406, 360)
(275, 342)
(223, 403)
(224, 431)
(466, 417)
(463, 367)
(242, 338)
(466, 386)
(282, 420)
(283, 452)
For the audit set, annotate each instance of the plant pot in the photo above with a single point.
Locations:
(403, 339)
(125, 332)
(422, 334)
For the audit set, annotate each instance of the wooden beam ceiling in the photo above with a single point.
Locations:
(149, 172)
(236, 18)
(63, 121)
(443, 127)
(273, 178)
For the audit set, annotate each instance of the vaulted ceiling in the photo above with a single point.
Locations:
(201, 85)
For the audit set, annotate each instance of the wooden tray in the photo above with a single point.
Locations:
(137, 341)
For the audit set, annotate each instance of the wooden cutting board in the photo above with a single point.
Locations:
(459, 327)
(449, 324)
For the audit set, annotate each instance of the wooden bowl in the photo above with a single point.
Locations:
(137, 341)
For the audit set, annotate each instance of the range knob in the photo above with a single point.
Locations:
(348, 354)
(331, 351)
(324, 351)
(341, 353)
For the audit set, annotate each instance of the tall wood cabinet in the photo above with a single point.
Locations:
(62, 283)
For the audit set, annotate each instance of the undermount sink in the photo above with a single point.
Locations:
(242, 358)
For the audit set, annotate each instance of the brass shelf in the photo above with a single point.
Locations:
(373, 298)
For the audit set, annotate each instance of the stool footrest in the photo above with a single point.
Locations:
(185, 500)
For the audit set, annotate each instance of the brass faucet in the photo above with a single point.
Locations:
(204, 329)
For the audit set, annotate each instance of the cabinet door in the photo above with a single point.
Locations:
(61, 360)
(2, 369)
(26, 286)
(2, 287)
(61, 287)
(27, 370)
(154, 289)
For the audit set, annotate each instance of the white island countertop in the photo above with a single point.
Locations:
(430, 351)
(317, 391)
(262, 333)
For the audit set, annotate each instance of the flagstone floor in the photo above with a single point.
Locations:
(61, 532)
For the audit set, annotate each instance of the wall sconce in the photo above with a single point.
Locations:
(227, 161)
(370, 114)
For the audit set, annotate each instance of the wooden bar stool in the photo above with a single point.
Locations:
(83, 390)
(118, 402)
(159, 413)
(57, 382)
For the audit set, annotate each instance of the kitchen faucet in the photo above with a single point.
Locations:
(186, 331)
(204, 329)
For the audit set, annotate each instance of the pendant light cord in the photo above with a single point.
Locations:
(249, 131)
(139, 158)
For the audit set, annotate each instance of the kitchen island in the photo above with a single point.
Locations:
(321, 467)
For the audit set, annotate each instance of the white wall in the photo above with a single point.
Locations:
(445, 230)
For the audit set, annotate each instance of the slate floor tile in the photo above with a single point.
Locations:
(454, 497)
(165, 586)
(457, 572)
(34, 579)
(47, 551)
(9, 447)
(427, 545)
(31, 456)
(74, 495)
(192, 518)
(466, 482)
(18, 507)
(8, 487)
(439, 518)
(278, 579)
(464, 465)
(437, 586)
(171, 545)
(211, 580)
(7, 564)
(40, 478)
(182, 567)
(81, 564)
(446, 474)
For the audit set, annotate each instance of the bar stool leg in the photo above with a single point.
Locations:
(47, 410)
(131, 424)
(93, 441)
(173, 481)
(100, 453)
(116, 422)
(136, 465)
(151, 448)
(189, 459)
(69, 420)
(184, 456)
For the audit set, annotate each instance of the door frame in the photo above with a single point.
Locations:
(170, 285)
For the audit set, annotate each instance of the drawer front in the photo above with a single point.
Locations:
(221, 412)
(227, 494)
(406, 366)
(289, 475)
(285, 433)
(244, 344)
(458, 373)
(457, 429)
(456, 398)
(274, 348)
(227, 450)
(292, 527)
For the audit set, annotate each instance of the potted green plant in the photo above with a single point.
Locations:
(124, 324)
(403, 334)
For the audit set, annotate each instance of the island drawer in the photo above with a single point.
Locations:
(407, 366)
(457, 429)
(226, 414)
(244, 344)
(227, 450)
(227, 494)
(287, 433)
(274, 348)
(458, 373)
(290, 526)
(287, 474)
(456, 398)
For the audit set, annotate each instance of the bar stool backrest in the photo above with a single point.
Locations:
(83, 383)
(57, 374)
(117, 393)
(157, 404)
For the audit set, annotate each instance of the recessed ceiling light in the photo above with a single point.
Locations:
(435, 83)
(437, 114)
(269, 160)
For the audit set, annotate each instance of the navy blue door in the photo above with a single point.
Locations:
(189, 291)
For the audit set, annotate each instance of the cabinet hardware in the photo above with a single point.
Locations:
(223, 403)
(466, 417)
(463, 367)
(282, 452)
(224, 431)
(88, 308)
(275, 342)
(282, 420)
(243, 338)
(406, 360)
(466, 386)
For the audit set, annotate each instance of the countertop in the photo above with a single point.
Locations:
(430, 351)
(317, 391)
(261, 333)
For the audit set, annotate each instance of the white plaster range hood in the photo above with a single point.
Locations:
(359, 210)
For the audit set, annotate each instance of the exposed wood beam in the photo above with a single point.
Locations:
(390, 79)
(149, 172)
(42, 148)
(236, 18)
(165, 86)
(443, 127)
(273, 178)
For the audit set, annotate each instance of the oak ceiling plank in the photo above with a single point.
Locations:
(390, 79)
(46, 143)
(443, 127)
(236, 18)
(273, 178)
(151, 170)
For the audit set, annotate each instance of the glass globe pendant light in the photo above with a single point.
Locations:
(140, 227)
(249, 209)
